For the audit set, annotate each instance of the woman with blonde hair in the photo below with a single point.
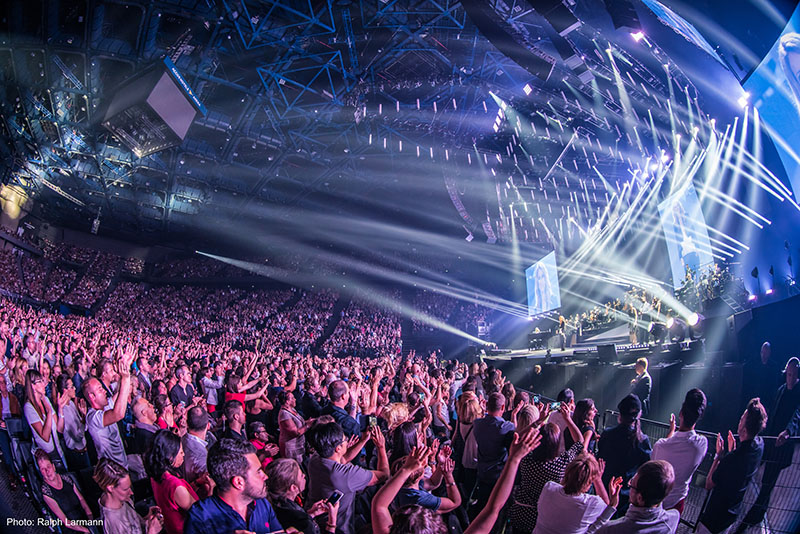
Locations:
(567, 508)
(465, 447)
(62, 496)
(116, 508)
(395, 414)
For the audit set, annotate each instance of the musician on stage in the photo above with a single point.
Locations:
(642, 384)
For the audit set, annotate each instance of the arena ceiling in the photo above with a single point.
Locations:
(452, 116)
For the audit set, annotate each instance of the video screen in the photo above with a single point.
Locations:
(542, 281)
(685, 231)
(775, 91)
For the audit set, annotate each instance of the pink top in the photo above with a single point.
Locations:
(164, 493)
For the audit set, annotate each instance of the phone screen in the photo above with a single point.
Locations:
(335, 496)
(555, 406)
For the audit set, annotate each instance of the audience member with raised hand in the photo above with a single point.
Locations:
(542, 465)
(683, 448)
(43, 419)
(648, 488)
(105, 413)
(568, 508)
(732, 472)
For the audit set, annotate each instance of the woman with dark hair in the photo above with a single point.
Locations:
(74, 425)
(165, 412)
(173, 495)
(624, 448)
(583, 416)
(236, 389)
(404, 439)
(567, 508)
(159, 387)
(291, 441)
(43, 419)
(61, 496)
(540, 466)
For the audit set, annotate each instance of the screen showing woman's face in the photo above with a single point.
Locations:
(793, 58)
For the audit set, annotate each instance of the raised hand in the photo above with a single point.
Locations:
(444, 453)
(525, 443)
(672, 424)
(720, 445)
(614, 488)
(377, 437)
(447, 466)
(418, 459)
(731, 442)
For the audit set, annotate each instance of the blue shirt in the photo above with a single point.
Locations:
(214, 516)
(348, 424)
(493, 436)
(419, 497)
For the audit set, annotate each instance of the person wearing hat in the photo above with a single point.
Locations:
(624, 447)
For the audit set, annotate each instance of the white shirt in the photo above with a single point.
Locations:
(106, 439)
(558, 419)
(685, 451)
(211, 386)
(74, 433)
(32, 416)
(560, 513)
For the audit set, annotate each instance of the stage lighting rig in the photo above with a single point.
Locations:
(658, 331)
(677, 329)
(696, 324)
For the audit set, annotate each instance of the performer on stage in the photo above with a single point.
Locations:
(642, 384)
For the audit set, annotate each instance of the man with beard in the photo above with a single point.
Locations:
(239, 501)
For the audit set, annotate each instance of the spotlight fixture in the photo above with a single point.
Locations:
(752, 298)
(637, 36)
(658, 331)
(696, 325)
(677, 329)
(527, 89)
(695, 319)
(769, 291)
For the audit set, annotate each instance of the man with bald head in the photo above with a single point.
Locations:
(104, 412)
(145, 427)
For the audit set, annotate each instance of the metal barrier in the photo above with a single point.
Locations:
(773, 497)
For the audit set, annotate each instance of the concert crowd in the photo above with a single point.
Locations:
(197, 410)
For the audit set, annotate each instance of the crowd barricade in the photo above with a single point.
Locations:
(774, 493)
